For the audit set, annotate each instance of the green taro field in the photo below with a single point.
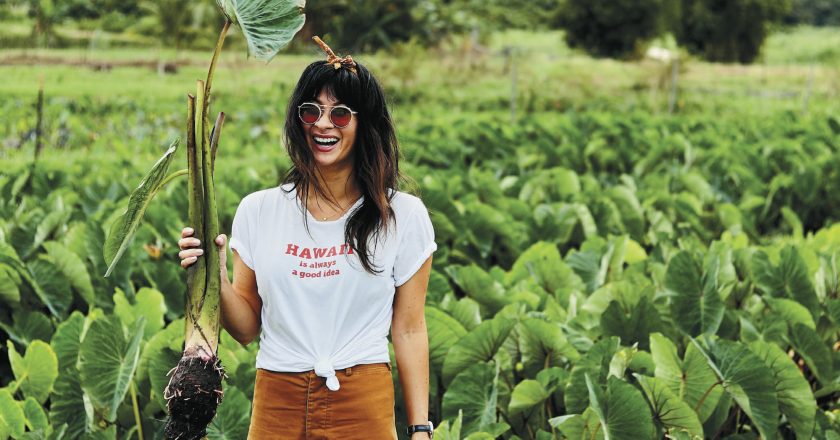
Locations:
(606, 269)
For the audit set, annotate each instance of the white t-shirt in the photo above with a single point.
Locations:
(320, 309)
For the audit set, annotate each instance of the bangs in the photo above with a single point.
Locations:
(340, 84)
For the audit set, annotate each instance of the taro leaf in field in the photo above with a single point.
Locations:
(444, 332)
(542, 262)
(690, 378)
(672, 412)
(124, 227)
(67, 340)
(36, 371)
(467, 312)
(790, 279)
(148, 303)
(633, 323)
(816, 353)
(159, 355)
(622, 409)
(9, 285)
(28, 326)
(36, 418)
(791, 311)
(268, 25)
(596, 364)
(526, 396)
(232, 417)
(584, 426)
(107, 361)
(695, 299)
(587, 264)
(796, 401)
(480, 286)
(73, 268)
(69, 405)
(543, 345)
(12, 419)
(474, 391)
(720, 415)
(747, 380)
(447, 432)
(58, 300)
(479, 345)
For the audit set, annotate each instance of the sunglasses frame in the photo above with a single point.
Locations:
(321, 110)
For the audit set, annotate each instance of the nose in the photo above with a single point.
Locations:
(324, 121)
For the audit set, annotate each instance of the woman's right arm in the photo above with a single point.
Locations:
(240, 302)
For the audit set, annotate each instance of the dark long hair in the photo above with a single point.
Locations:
(375, 151)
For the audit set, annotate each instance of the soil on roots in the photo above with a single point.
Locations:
(193, 394)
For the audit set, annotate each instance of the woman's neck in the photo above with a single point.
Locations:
(339, 187)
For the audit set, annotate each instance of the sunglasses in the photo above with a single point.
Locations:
(340, 115)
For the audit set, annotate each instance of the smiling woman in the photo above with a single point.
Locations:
(326, 264)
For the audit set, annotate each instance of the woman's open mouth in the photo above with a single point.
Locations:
(325, 143)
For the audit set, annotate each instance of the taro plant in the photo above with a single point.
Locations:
(195, 390)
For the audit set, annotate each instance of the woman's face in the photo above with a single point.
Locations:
(332, 147)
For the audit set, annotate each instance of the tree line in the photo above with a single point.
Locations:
(717, 30)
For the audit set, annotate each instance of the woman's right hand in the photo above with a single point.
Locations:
(190, 250)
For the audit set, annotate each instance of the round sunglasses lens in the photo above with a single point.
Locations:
(309, 114)
(340, 116)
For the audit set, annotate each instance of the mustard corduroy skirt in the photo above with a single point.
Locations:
(298, 406)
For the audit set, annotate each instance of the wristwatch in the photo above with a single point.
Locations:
(430, 428)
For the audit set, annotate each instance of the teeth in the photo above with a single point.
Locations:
(326, 140)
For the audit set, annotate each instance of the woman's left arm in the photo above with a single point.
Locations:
(411, 346)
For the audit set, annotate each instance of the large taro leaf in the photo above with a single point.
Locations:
(816, 353)
(27, 326)
(12, 419)
(68, 404)
(791, 311)
(475, 392)
(632, 323)
(584, 426)
(467, 312)
(447, 431)
(749, 382)
(526, 396)
(268, 25)
(148, 303)
(107, 361)
(796, 401)
(622, 409)
(695, 299)
(479, 345)
(124, 227)
(36, 418)
(672, 412)
(232, 417)
(542, 345)
(67, 340)
(596, 364)
(73, 269)
(36, 371)
(480, 286)
(690, 378)
(45, 280)
(9, 285)
(543, 263)
(790, 279)
(159, 355)
(444, 332)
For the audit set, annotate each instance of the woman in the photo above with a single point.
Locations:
(325, 264)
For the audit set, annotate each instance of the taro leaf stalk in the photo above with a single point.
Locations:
(195, 387)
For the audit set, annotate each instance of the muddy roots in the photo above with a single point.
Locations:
(193, 394)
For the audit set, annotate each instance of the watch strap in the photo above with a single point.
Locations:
(429, 428)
